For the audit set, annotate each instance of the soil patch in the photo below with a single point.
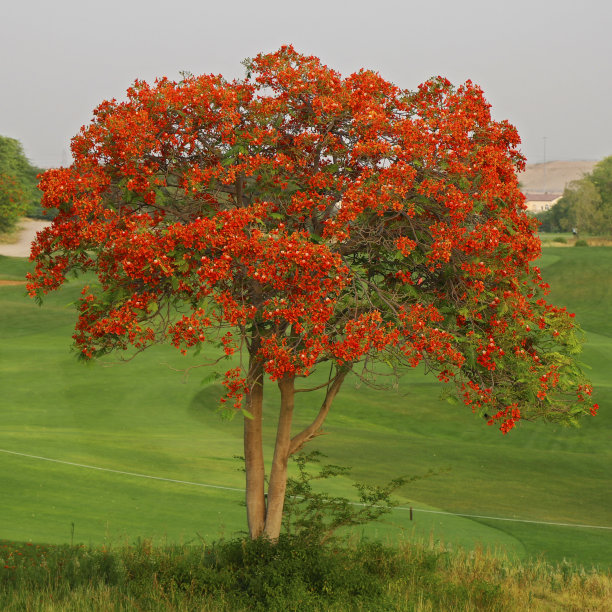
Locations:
(20, 246)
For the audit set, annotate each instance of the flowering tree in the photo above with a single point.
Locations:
(303, 219)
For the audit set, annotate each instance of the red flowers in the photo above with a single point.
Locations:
(304, 217)
(508, 417)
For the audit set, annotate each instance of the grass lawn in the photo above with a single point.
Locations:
(144, 418)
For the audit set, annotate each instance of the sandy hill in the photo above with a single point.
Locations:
(553, 176)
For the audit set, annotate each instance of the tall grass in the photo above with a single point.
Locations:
(245, 575)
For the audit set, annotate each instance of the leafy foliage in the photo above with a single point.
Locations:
(291, 575)
(316, 516)
(19, 193)
(11, 202)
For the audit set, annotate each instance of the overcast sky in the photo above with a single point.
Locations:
(545, 65)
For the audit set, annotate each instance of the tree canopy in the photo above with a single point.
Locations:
(11, 202)
(19, 193)
(302, 220)
(586, 204)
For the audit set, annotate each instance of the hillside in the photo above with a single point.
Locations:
(553, 176)
(111, 454)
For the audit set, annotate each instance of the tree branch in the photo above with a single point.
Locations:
(310, 432)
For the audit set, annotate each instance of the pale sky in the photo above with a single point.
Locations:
(545, 65)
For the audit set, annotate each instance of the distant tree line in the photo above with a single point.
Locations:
(586, 204)
(19, 194)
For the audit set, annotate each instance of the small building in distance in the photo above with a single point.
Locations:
(543, 183)
(539, 202)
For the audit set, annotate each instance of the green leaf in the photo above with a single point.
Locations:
(212, 377)
(292, 187)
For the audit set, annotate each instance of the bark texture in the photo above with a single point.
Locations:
(253, 452)
(278, 473)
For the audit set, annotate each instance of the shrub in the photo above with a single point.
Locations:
(315, 517)
(12, 202)
(293, 574)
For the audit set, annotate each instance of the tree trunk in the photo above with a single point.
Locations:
(265, 519)
(253, 451)
(278, 473)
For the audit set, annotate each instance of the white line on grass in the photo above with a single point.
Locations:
(210, 486)
(499, 518)
(101, 469)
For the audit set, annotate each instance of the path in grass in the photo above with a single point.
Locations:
(143, 417)
(20, 245)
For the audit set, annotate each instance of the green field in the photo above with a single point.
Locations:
(145, 418)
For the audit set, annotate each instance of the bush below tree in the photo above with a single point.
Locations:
(292, 575)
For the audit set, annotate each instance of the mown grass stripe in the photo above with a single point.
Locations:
(211, 486)
(101, 469)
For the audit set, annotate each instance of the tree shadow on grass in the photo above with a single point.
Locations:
(206, 403)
